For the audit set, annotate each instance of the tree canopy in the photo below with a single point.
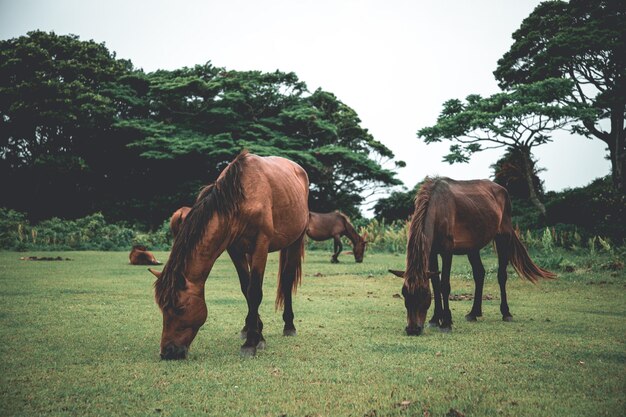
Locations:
(519, 119)
(86, 131)
(585, 42)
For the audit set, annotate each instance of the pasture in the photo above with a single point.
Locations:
(81, 337)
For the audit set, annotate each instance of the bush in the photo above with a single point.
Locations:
(87, 233)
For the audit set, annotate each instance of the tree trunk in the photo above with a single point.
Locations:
(617, 148)
(528, 174)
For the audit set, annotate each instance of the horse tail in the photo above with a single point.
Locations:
(420, 237)
(522, 263)
(289, 271)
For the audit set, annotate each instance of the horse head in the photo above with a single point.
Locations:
(182, 321)
(417, 302)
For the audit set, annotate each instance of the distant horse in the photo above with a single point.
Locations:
(140, 255)
(323, 226)
(257, 205)
(177, 219)
(459, 218)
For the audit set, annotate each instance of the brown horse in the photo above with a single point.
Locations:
(323, 226)
(140, 255)
(257, 205)
(459, 218)
(177, 219)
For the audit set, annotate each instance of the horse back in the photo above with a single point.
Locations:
(471, 214)
(276, 199)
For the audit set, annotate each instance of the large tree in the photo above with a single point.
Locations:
(583, 41)
(199, 118)
(519, 119)
(57, 105)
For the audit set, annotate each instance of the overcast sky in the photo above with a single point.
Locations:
(394, 62)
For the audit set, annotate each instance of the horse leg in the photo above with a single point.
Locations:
(254, 295)
(338, 247)
(503, 248)
(478, 270)
(433, 267)
(446, 265)
(242, 265)
(290, 270)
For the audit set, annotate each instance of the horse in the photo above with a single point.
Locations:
(177, 218)
(459, 218)
(139, 255)
(323, 226)
(257, 205)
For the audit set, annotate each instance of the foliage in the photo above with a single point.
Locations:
(519, 120)
(85, 132)
(92, 232)
(582, 41)
(598, 209)
(508, 171)
(57, 105)
(399, 205)
(197, 119)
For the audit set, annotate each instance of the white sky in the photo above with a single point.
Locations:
(395, 62)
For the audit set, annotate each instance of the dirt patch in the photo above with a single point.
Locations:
(43, 258)
(469, 297)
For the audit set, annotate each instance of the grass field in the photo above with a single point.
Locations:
(82, 337)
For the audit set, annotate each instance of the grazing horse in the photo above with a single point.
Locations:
(257, 205)
(459, 218)
(323, 226)
(177, 219)
(140, 255)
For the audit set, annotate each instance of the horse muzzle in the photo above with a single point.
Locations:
(173, 352)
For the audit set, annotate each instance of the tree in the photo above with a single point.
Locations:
(57, 106)
(508, 172)
(583, 41)
(399, 205)
(519, 119)
(198, 119)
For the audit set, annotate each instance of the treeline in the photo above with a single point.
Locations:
(82, 132)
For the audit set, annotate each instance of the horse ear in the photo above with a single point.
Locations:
(155, 273)
(397, 273)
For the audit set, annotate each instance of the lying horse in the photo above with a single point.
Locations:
(140, 255)
(323, 226)
(257, 205)
(455, 218)
(177, 219)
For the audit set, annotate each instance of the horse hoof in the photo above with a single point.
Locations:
(446, 329)
(261, 345)
(469, 317)
(507, 318)
(433, 324)
(334, 261)
(247, 351)
(289, 332)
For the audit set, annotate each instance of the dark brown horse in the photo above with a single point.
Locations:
(140, 255)
(459, 218)
(257, 205)
(323, 226)
(177, 219)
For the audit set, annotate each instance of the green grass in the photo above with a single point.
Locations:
(82, 337)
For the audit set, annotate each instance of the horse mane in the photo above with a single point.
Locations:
(351, 232)
(419, 244)
(222, 198)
